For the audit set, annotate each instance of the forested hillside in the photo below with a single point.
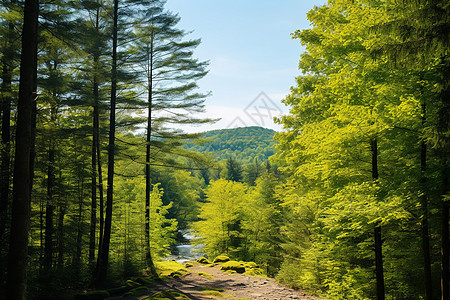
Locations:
(244, 144)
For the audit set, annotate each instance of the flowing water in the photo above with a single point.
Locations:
(186, 252)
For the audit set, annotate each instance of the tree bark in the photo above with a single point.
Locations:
(49, 228)
(95, 155)
(148, 253)
(17, 259)
(424, 221)
(102, 263)
(377, 230)
(445, 242)
(5, 171)
(93, 224)
(443, 129)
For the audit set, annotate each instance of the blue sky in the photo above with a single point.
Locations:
(253, 60)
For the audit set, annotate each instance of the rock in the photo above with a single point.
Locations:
(203, 260)
(221, 258)
(233, 266)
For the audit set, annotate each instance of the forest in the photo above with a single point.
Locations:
(99, 181)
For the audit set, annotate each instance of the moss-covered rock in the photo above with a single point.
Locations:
(179, 273)
(167, 269)
(188, 264)
(221, 258)
(94, 295)
(232, 265)
(251, 264)
(203, 260)
(139, 291)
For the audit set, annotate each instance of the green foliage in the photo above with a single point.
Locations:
(220, 225)
(344, 101)
(243, 144)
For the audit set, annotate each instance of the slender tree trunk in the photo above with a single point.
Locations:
(443, 129)
(77, 261)
(17, 259)
(93, 224)
(377, 231)
(49, 212)
(424, 222)
(102, 264)
(148, 254)
(62, 212)
(95, 140)
(5, 171)
(445, 242)
(100, 195)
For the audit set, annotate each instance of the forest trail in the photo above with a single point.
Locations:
(209, 282)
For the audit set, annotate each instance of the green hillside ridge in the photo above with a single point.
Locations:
(244, 144)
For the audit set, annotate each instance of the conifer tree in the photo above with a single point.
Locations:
(18, 244)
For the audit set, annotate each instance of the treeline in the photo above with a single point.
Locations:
(361, 208)
(244, 144)
(79, 203)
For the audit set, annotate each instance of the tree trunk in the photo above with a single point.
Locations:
(443, 129)
(60, 237)
(445, 242)
(6, 148)
(424, 222)
(377, 231)
(93, 224)
(17, 259)
(95, 140)
(148, 254)
(77, 260)
(102, 263)
(48, 250)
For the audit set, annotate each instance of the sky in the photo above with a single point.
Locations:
(253, 59)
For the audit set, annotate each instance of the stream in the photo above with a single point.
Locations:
(186, 252)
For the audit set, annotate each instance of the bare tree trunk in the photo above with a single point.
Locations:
(102, 263)
(377, 230)
(148, 253)
(60, 237)
(5, 171)
(49, 212)
(95, 155)
(17, 259)
(443, 129)
(424, 222)
(445, 243)
(93, 223)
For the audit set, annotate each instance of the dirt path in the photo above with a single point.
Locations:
(206, 282)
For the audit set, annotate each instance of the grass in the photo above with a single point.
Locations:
(206, 275)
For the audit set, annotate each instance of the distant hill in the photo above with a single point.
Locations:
(243, 143)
